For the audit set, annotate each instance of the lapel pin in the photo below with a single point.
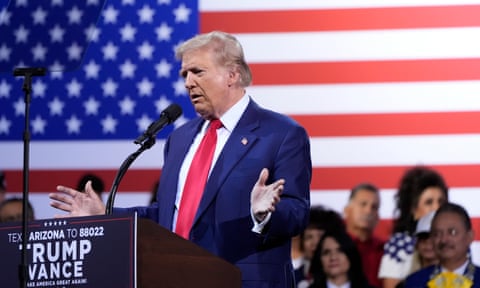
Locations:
(244, 141)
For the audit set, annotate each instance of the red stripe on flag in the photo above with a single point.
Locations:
(328, 178)
(389, 176)
(47, 180)
(390, 124)
(340, 19)
(365, 71)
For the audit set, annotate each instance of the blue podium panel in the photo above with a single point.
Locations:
(97, 251)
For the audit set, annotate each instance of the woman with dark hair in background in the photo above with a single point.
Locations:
(421, 191)
(336, 263)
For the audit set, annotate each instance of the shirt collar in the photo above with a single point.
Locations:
(232, 116)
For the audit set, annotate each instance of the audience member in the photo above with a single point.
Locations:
(11, 210)
(320, 221)
(421, 191)
(97, 183)
(452, 235)
(424, 251)
(336, 263)
(3, 186)
(361, 218)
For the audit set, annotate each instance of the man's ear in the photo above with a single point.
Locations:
(233, 77)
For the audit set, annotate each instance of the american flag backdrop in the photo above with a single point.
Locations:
(380, 85)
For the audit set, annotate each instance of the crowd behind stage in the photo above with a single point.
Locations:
(429, 243)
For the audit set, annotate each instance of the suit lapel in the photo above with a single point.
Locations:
(239, 143)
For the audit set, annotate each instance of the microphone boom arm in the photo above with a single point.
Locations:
(123, 169)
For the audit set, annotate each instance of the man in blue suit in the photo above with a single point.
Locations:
(256, 197)
(452, 235)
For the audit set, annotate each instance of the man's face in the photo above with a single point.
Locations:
(207, 83)
(451, 239)
(362, 210)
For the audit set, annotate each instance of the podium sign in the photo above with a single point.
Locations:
(96, 251)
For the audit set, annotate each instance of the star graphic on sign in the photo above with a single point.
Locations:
(5, 89)
(110, 51)
(5, 52)
(128, 2)
(5, 125)
(74, 51)
(109, 124)
(145, 50)
(74, 88)
(21, 34)
(39, 88)
(39, 16)
(56, 34)
(91, 70)
(126, 106)
(128, 69)
(39, 52)
(109, 87)
(19, 107)
(75, 15)
(56, 107)
(91, 106)
(145, 87)
(73, 125)
(110, 15)
(164, 32)
(143, 122)
(128, 33)
(167, 2)
(146, 14)
(182, 13)
(38, 125)
(163, 69)
(179, 87)
(92, 2)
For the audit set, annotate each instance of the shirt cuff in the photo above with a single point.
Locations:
(258, 226)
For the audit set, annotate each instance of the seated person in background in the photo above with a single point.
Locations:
(424, 254)
(361, 218)
(320, 221)
(336, 263)
(11, 210)
(97, 183)
(452, 235)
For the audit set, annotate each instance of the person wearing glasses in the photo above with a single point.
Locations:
(452, 234)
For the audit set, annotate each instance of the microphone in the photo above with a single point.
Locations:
(169, 115)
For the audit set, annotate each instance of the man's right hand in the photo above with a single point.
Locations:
(77, 203)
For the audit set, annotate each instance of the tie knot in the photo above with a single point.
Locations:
(215, 124)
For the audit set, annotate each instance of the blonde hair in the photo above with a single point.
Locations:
(227, 50)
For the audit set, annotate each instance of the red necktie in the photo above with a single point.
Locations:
(196, 180)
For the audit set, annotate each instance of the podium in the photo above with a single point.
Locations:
(167, 260)
(109, 251)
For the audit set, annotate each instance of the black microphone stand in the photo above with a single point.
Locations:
(27, 73)
(147, 144)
